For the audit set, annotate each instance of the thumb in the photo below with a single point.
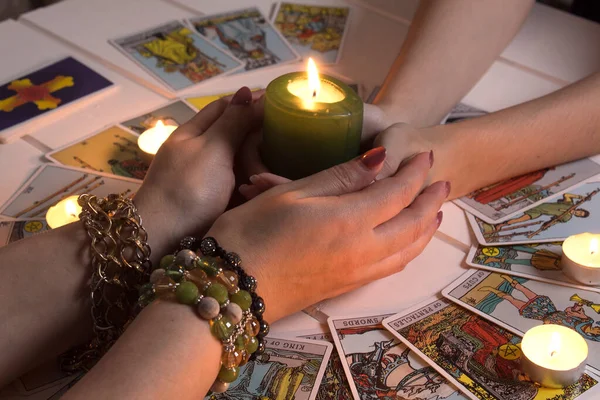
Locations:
(344, 178)
(230, 129)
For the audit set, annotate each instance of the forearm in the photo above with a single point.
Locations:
(45, 298)
(449, 46)
(167, 352)
(560, 127)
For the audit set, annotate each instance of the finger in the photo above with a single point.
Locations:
(249, 191)
(229, 131)
(267, 180)
(344, 178)
(393, 139)
(256, 95)
(396, 262)
(386, 198)
(408, 226)
(249, 156)
(200, 122)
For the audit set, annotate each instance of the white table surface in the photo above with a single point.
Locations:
(526, 70)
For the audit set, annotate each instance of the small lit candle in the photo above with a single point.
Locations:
(151, 139)
(63, 213)
(581, 258)
(311, 122)
(553, 355)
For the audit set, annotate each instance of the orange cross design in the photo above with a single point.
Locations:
(40, 95)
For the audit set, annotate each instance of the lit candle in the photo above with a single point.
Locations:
(581, 258)
(553, 355)
(151, 139)
(311, 122)
(63, 213)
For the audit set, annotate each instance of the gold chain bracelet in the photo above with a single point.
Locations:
(120, 258)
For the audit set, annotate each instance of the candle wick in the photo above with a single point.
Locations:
(553, 353)
(314, 93)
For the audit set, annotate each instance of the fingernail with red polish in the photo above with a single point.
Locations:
(372, 158)
(439, 218)
(448, 188)
(242, 97)
(431, 159)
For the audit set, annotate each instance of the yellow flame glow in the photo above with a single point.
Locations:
(71, 207)
(314, 83)
(159, 124)
(555, 344)
(593, 246)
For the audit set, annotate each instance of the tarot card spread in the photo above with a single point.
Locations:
(482, 359)
(248, 35)
(176, 55)
(47, 89)
(313, 31)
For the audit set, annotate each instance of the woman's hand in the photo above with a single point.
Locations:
(334, 231)
(191, 179)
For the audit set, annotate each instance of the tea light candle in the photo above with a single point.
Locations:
(311, 122)
(581, 258)
(553, 356)
(151, 139)
(63, 213)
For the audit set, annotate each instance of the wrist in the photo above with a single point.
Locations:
(440, 140)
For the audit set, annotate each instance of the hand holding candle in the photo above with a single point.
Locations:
(581, 258)
(63, 213)
(311, 123)
(553, 356)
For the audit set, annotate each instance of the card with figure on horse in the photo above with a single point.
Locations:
(52, 183)
(520, 304)
(288, 369)
(312, 30)
(44, 90)
(248, 35)
(112, 150)
(537, 261)
(377, 365)
(503, 200)
(574, 211)
(176, 55)
(482, 359)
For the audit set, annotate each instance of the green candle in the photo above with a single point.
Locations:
(311, 123)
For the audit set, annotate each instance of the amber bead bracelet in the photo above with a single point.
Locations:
(210, 284)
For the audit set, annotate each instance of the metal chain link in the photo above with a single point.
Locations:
(120, 258)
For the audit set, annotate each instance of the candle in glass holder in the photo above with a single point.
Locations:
(553, 355)
(63, 213)
(581, 258)
(311, 122)
(151, 139)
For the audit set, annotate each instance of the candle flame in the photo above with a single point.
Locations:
(71, 208)
(314, 83)
(159, 124)
(554, 346)
(594, 246)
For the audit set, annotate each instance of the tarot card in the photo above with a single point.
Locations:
(112, 150)
(313, 31)
(288, 369)
(52, 183)
(503, 200)
(11, 231)
(334, 385)
(482, 359)
(380, 367)
(519, 304)
(575, 211)
(537, 261)
(202, 101)
(46, 89)
(463, 111)
(248, 35)
(176, 113)
(177, 55)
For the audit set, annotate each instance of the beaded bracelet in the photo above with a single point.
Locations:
(206, 283)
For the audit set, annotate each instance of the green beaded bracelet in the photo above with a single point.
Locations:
(204, 283)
